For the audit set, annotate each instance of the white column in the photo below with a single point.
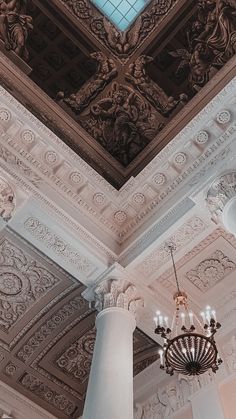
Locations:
(206, 404)
(110, 387)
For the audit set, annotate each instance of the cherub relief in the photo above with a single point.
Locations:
(155, 94)
(211, 39)
(14, 26)
(122, 122)
(106, 71)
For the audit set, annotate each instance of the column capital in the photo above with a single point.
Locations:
(114, 292)
(220, 195)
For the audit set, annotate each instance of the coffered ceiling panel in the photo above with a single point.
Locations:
(126, 93)
(47, 330)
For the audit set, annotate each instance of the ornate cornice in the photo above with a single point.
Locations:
(26, 155)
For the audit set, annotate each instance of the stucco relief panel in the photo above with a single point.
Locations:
(207, 265)
(23, 282)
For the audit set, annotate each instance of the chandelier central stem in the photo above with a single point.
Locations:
(174, 267)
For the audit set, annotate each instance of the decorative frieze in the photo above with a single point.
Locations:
(44, 392)
(58, 245)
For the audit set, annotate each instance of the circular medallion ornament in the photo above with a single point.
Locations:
(223, 117)
(12, 283)
(51, 157)
(139, 199)
(98, 198)
(159, 179)
(202, 137)
(180, 159)
(5, 115)
(88, 345)
(120, 217)
(27, 136)
(76, 178)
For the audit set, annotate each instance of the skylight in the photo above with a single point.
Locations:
(121, 12)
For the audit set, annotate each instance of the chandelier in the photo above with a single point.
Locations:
(189, 347)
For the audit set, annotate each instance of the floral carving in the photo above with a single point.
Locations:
(153, 93)
(211, 38)
(120, 43)
(115, 293)
(54, 323)
(220, 192)
(15, 25)
(15, 162)
(7, 197)
(52, 241)
(122, 122)
(44, 392)
(181, 238)
(211, 270)
(106, 71)
(22, 282)
(77, 358)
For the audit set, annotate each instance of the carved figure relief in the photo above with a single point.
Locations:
(211, 270)
(120, 43)
(211, 39)
(106, 71)
(153, 93)
(170, 398)
(123, 123)
(22, 282)
(14, 26)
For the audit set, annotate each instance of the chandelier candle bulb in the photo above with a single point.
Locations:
(161, 357)
(183, 319)
(166, 321)
(213, 313)
(161, 320)
(191, 318)
(155, 321)
(203, 317)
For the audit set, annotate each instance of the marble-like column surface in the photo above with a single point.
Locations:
(110, 387)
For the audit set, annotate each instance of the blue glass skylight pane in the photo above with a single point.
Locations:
(121, 12)
(139, 5)
(108, 8)
(124, 7)
(116, 16)
(124, 24)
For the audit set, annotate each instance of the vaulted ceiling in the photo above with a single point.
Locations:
(109, 140)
